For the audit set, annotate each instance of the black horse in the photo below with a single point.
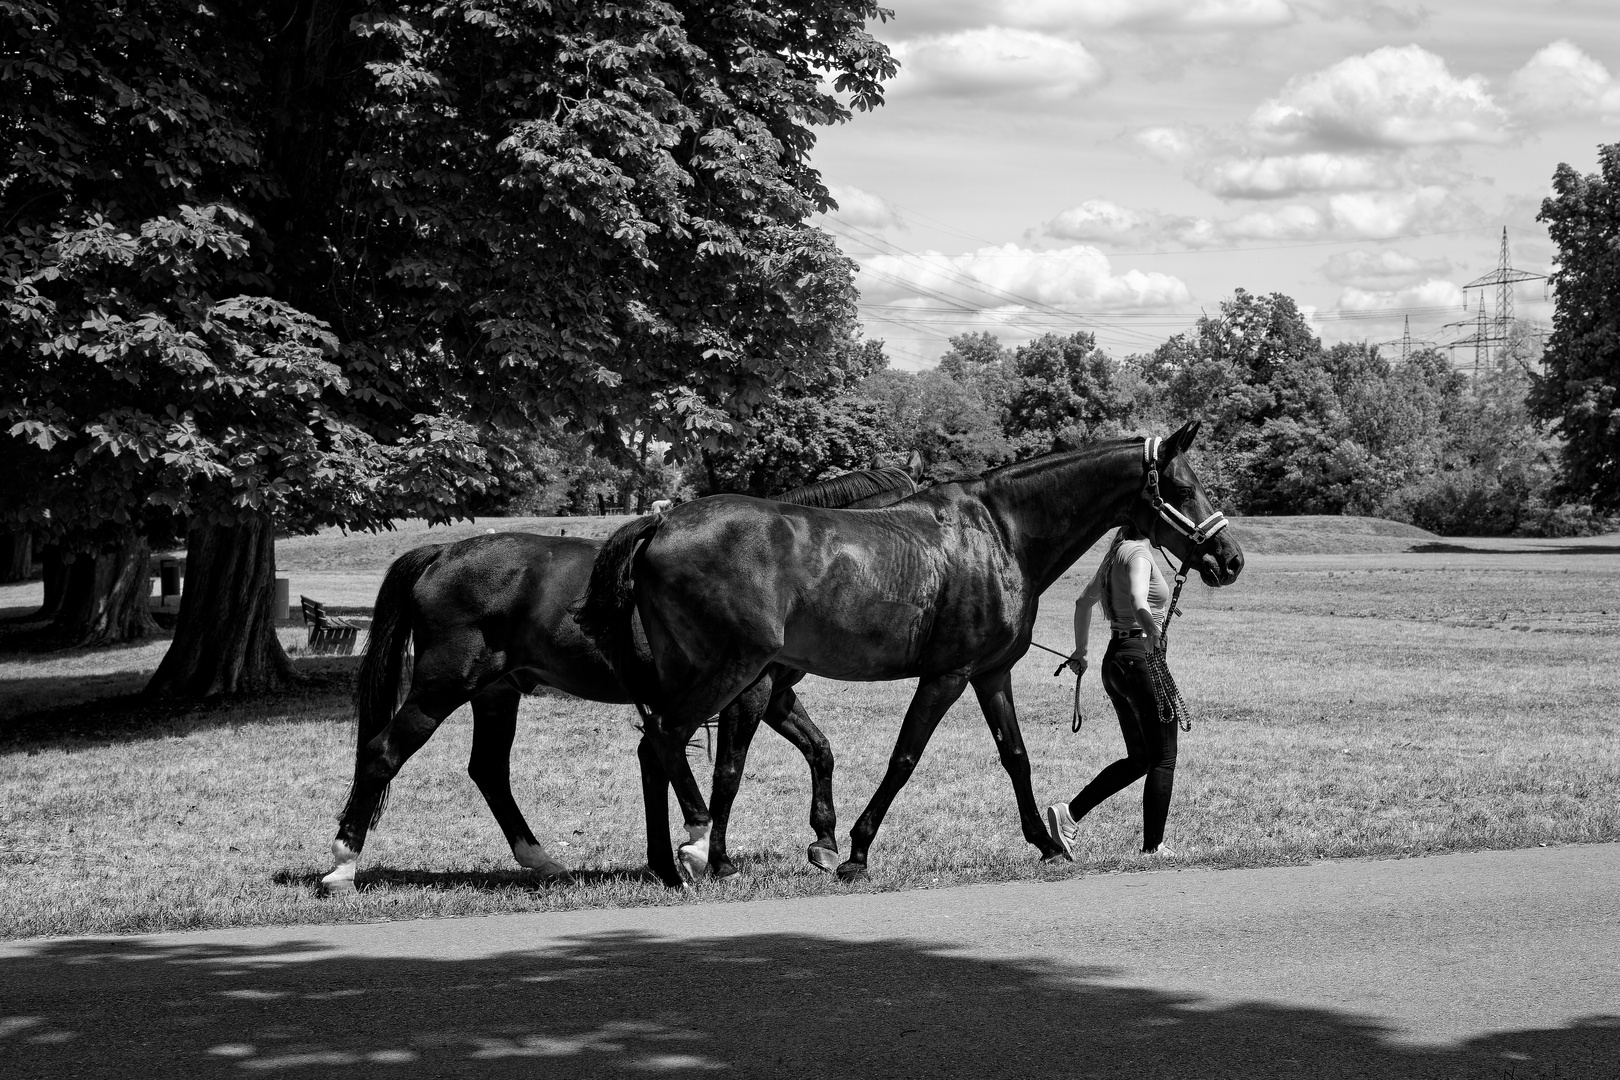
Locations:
(942, 587)
(491, 618)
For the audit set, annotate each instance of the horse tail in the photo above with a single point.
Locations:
(606, 615)
(382, 669)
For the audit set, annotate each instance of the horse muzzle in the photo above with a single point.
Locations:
(1218, 568)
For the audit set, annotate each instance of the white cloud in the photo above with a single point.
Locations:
(994, 61)
(1381, 270)
(1346, 216)
(858, 207)
(1561, 81)
(1380, 15)
(1381, 215)
(1099, 220)
(1174, 16)
(1391, 97)
(1432, 293)
(1011, 275)
(1294, 174)
(1294, 222)
(1104, 222)
(1168, 143)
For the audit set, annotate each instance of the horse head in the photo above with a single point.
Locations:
(1176, 514)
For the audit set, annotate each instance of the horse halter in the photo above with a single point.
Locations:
(1197, 534)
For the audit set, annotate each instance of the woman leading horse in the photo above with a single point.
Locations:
(942, 587)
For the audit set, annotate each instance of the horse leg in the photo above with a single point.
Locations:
(490, 766)
(787, 716)
(663, 762)
(995, 698)
(738, 722)
(930, 702)
(692, 855)
(377, 763)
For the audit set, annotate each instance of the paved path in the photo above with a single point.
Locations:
(1499, 964)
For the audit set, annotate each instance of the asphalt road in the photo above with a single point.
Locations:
(1497, 964)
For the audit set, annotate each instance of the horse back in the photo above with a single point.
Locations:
(875, 594)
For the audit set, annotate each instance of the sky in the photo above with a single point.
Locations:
(1120, 166)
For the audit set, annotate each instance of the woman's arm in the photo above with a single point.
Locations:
(1082, 622)
(1141, 577)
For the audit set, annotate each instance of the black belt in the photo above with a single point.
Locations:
(1136, 631)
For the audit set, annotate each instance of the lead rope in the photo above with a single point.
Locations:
(1172, 706)
(1076, 720)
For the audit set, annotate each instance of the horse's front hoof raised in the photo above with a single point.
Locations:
(823, 859)
(851, 872)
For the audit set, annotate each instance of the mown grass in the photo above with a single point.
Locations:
(1367, 704)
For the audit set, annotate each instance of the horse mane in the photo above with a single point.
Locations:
(1031, 472)
(840, 491)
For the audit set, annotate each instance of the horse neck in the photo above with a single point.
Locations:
(1052, 515)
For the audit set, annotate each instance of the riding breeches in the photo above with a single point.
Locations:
(1150, 746)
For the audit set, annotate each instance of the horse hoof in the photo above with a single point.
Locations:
(653, 877)
(851, 872)
(693, 862)
(1055, 857)
(725, 868)
(822, 858)
(337, 886)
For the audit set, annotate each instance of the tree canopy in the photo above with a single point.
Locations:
(1580, 390)
(304, 262)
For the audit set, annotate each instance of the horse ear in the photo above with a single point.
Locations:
(1179, 442)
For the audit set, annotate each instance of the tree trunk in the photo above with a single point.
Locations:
(54, 576)
(225, 640)
(16, 556)
(104, 597)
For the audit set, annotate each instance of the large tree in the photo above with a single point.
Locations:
(495, 214)
(1065, 390)
(1580, 388)
(806, 433)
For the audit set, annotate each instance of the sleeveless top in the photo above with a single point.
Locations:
(1116, 592)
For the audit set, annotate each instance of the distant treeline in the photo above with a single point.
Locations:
(1290, 426)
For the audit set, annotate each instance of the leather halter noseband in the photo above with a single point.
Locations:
(1168, 514)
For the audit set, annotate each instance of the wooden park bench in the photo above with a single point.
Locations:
(328, 634)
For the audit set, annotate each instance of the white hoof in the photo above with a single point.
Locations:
(534, 857)
(341, 879)
(692, 857)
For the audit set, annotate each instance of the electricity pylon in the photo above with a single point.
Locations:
(1499, 330)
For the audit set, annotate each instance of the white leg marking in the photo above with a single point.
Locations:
(535, 857)
(693, 856)
(341, 879)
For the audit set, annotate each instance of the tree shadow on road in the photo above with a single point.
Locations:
(772, 1004)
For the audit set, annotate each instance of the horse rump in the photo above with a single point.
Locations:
(606, 614)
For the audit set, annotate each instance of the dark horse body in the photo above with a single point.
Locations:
(942, 587)
(492, 619)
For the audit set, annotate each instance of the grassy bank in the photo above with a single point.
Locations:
(1375, 703)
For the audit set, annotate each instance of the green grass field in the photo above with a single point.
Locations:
(1383, 702)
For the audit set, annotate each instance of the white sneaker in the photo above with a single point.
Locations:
(1060, 826)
